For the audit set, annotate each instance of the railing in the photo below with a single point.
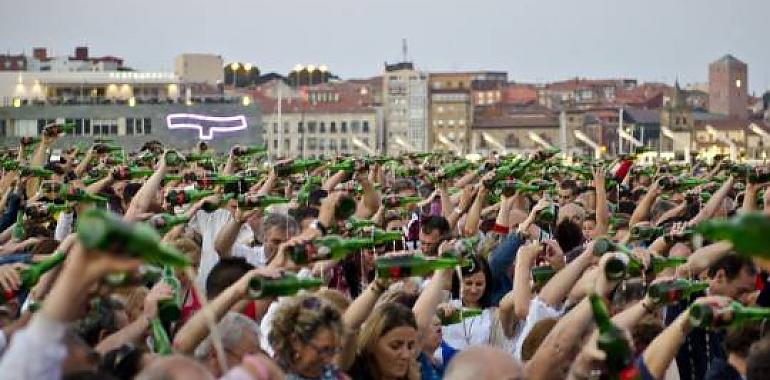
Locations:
(103, 100)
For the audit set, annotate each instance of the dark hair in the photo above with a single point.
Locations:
(124, 362)
(738, 339)
(227, 271)
(303, 213)
(732, 265)
(89, 375)
(758, 362)
(130, 191)
(45, 247)
(431, 223)
(569, 235)
(570, 185)
(100, 318)
(478, 264)
(239, 187)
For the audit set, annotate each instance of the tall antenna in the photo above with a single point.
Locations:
(404, 49)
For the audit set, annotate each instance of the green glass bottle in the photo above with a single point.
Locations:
(541, 274)
(296, 166)
(76, 194)
(749, 233)
(287, 285)
(58, 129)
(345, 208)
(252, 201)
(198, 157)
(161, 344)
(672, 291)
(712, 317)
(458, 315)
(173, 158)
(44, 210)
(210, 181)
(102, 230)
(147, 275)
(451, 171)
(681, 184)
(210, 206)
(170, 310)
(18, 232)
(412, 266)
(347, 166)
(31, 275)
(646, 233)
(356, 224)
(395, 201)
(183, 197)
(381, 237)
(104, 148)
(38, 172)
(252, 150)
(330, 247)
(130, 172)
(165, 222)
(619, 354)
(546, 216)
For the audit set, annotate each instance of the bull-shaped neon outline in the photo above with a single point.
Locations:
(203, 125)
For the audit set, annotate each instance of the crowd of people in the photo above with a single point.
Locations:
(193, 264)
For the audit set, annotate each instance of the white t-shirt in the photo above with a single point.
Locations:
(471, 331)
(538, 310)
(208, 225)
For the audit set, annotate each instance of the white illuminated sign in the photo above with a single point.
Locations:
(207, 126)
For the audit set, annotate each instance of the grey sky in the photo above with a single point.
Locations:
(534, 40)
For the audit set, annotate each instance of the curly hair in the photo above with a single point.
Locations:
(301, 318)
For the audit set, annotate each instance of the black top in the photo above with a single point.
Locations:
(700, 347)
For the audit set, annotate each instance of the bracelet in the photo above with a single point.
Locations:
(503, 230)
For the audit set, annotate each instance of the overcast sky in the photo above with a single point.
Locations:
(534, 40)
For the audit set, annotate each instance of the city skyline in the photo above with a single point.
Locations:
(532, 41)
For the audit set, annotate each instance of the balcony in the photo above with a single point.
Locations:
(106, 101)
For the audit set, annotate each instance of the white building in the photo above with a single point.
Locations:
(405, 103)
(200, 68)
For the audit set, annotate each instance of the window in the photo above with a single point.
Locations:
(129, 126)
(300, 127)
(285, 127)
(147, 126)
(344, 144)
(275, 144)
(86, 126)
(355, 126)
(114, 129)
(333, 144)
(365, 126)
(311, 127)
(311, 143)
(275, 128)
(322, 127)
(344, 127)
(332, 127)
(321, 144)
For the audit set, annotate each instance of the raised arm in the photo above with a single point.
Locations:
(642, 209)
(225, 238)
(557, 288)
(197, 328)
(715, 202)
(144, 197)
(702, 259)
(602, 213)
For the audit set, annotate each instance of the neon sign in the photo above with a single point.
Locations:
(207, 126)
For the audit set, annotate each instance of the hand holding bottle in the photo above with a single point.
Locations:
(10, 276)
(554, 255)
(159, 292)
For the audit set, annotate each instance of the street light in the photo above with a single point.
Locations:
(234, 68)
(247, 66)
(582, 137)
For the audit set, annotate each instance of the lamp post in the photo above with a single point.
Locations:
(234, 68)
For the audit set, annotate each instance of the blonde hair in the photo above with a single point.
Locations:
(383, 319)
(301, 318)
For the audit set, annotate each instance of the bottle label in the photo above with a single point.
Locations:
(395, 272)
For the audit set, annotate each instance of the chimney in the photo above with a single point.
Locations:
(40, 54)
(81, 53)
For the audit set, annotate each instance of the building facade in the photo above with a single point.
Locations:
(728, 87)
(130, 107)
(199, 68)
(405, 104)
(514, 129)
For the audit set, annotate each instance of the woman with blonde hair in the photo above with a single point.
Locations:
(305, 336)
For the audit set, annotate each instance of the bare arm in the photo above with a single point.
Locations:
(642, 209)
(701, 259)
(715, 202)
(473, 219)
(602, 213)
(663, 349)
(557, 288)
(144, 197)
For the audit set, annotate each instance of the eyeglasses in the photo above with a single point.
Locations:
(324, 351)
(312, 303)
